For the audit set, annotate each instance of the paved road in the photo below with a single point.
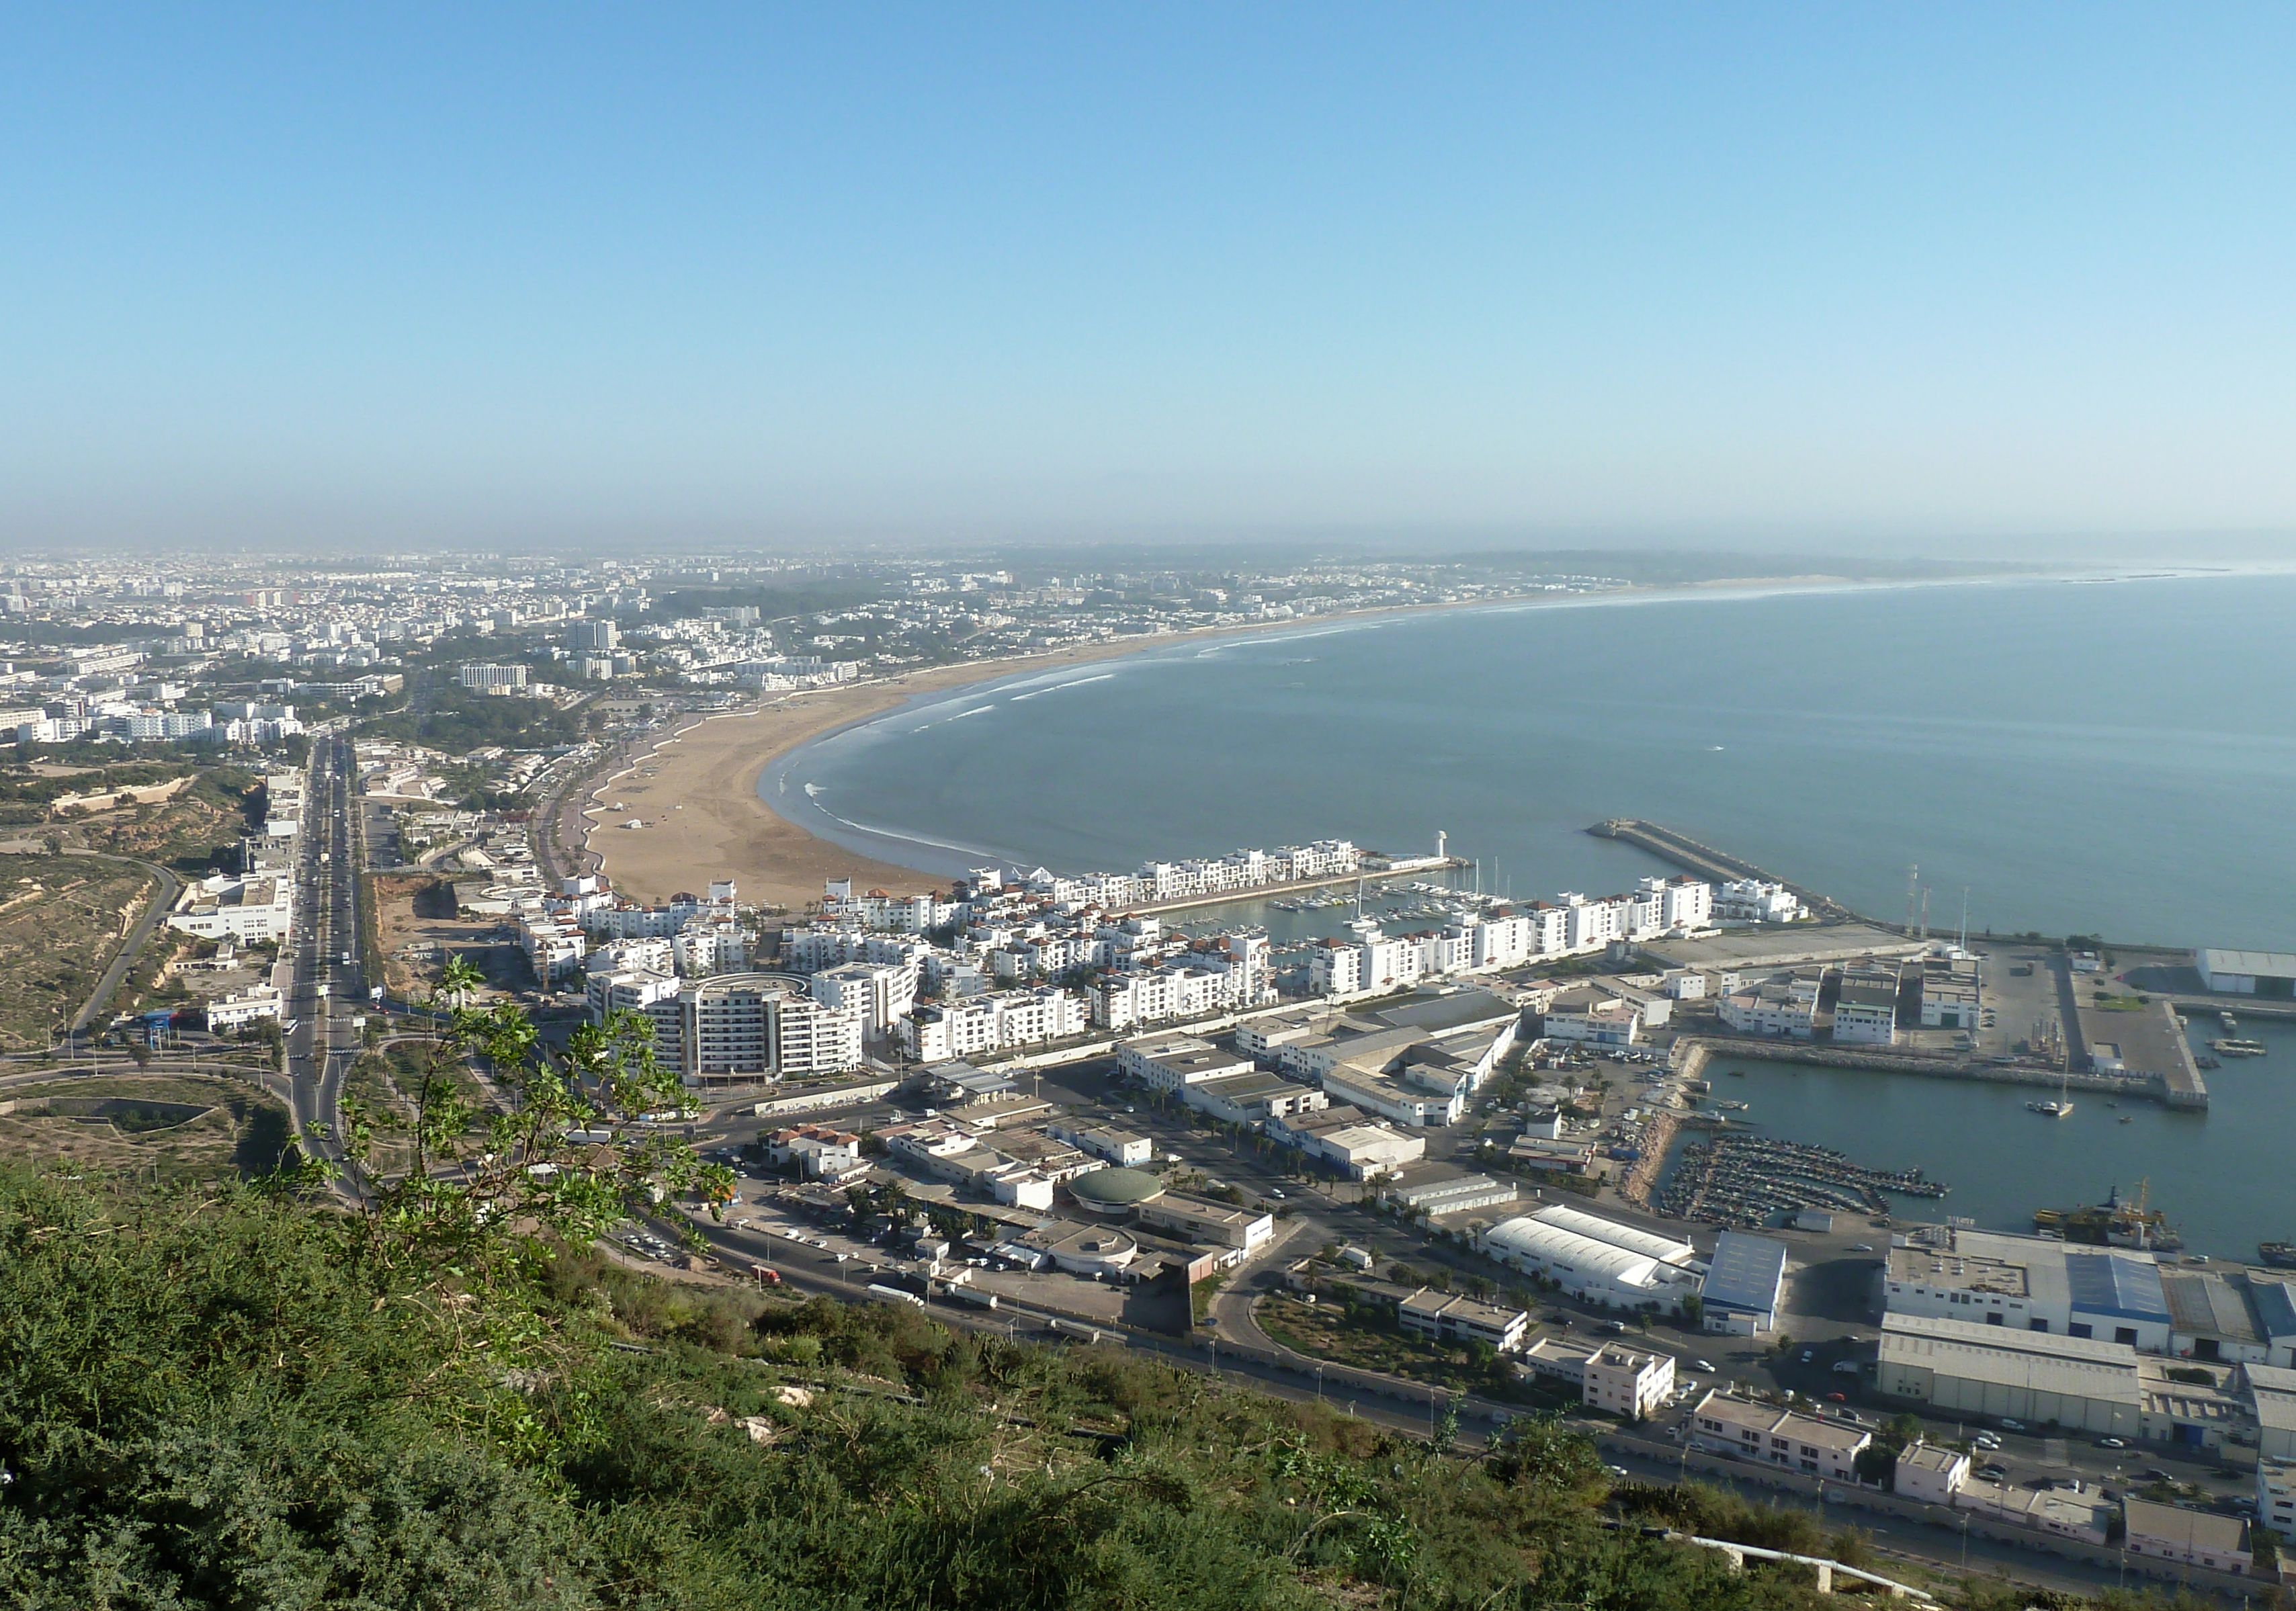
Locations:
(163, 903)
(325, 992)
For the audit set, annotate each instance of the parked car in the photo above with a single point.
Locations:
(2112, 1443)
(1993, 1474)
(1707, 1366)
(2009, 1424)
(1808, 1356)
(1837, 1398)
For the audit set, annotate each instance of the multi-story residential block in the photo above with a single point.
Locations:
(1629, 1382)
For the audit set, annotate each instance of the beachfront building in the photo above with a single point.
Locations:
(1756, 900)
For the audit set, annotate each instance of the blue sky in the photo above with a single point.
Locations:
(1818, 276)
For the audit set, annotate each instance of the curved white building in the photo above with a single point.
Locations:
(1666, 1249)
(1595, 1259)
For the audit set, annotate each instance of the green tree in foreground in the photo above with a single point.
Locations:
(488, 1195)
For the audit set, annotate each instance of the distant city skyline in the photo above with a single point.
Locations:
(1977, 282)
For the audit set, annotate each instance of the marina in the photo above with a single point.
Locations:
(1745, 1181)
(2223, 1170)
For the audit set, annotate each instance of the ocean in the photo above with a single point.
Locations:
(2075, 756)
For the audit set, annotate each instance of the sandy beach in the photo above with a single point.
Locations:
(697, 792)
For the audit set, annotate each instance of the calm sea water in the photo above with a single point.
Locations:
(2078, 757)
(2116, 758)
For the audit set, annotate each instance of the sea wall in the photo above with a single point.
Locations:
(1692, 1056)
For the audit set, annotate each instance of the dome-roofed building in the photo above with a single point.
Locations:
(1115, 1191)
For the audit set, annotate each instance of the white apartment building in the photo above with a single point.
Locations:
(748, 1028)
(554, 945)
(1000, 1021)
(607, 990)
(652, 956)
(1629, 1382)
(1756, 900)
(1120, 1001)
(881, 993)
(483, 678)
(708, 946)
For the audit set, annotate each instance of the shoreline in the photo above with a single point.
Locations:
(705, 817)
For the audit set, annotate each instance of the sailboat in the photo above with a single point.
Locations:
(2062, 1107)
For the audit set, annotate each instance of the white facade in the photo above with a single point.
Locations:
(1446, 1319)
(1931, 1474)
(748, 1028)
(1598, 1259)
(881, 993)
(1629, 1382)
(220, 906)
(1756, 900)
(242, 1008)
(1765, 1435)
(1785, 1006)
(2276, 1497)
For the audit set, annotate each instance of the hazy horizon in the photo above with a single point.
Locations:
(1964, 283)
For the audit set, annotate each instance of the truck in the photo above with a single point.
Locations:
(893, 1295)
(764, 1275)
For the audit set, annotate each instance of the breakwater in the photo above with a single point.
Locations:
(1692, 1057)
(1708, 862)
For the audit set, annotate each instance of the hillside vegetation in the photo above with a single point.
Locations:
(225, 1395)
(215, 1398)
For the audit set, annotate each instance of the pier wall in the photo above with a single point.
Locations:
(1707, 862)
(1277, 892)
(1703, 1049)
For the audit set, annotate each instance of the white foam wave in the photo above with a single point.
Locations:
(1040, 692)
